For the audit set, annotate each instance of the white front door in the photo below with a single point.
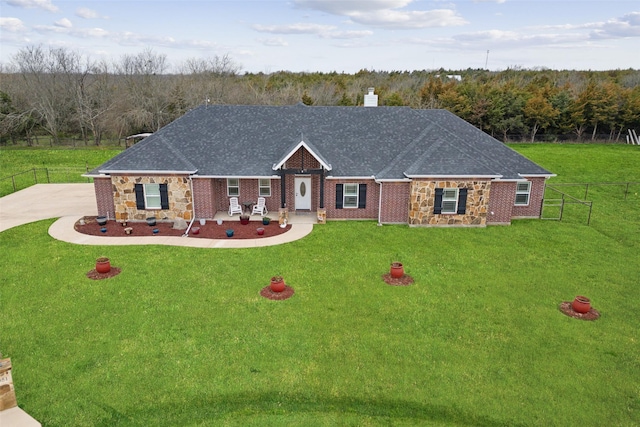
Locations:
(303, 192)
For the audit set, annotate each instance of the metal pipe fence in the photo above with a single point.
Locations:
(568, 199)
(27, 178)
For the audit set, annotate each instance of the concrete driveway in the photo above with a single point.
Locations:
(42, 201)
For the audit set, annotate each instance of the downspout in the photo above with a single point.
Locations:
(193, 202)
(379, 202)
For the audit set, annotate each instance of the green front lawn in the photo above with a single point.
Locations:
(182, 336)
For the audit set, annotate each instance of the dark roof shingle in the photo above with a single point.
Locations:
(385, 142)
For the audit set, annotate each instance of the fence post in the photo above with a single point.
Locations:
(586, 190)
(48, 178)
(589, 217)
(35, 175)
(562, 207)
(626, 190)
(13, 180)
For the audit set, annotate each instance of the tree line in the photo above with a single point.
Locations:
(59, 93)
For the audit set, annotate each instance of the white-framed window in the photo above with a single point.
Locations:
(264, 187)
(233, 187)
(152, 196)
(350, 196)
(449, 200)
(523, 191)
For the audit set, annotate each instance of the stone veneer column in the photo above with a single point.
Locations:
(283, 215)
(322, 216)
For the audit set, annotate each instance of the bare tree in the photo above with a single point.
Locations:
(145, 90)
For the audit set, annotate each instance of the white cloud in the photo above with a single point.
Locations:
(82, 33)
(86, 13)
(409, 19)
(346, 7)
(301, 28)
(34, 4)
(494, 39)
(346, 34)
(323, 31)
(278, 41)
(385, 13)
(64, 23)
(626, 26)
(12, 25)
(489, 1)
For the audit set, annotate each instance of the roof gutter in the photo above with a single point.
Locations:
(453, 176)
(351, 177)
(237, 176)
(148, 172)
(379, 180)
(537, 175)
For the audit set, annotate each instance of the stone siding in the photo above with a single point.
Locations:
(180, 198)
(422, 200)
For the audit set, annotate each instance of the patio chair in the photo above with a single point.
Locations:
(260, 208)
(234, 206)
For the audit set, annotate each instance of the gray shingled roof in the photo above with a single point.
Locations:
(385, 142)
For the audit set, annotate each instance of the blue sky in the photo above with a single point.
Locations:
(337, 35)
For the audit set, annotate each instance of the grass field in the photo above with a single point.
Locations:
(182, 336)
(21, 168)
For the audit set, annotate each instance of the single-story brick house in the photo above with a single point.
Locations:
(390, 164)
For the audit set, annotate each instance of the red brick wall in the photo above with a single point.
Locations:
(204, 198)
(395, 202)
(248, 192)
(104, 196)
(371, 210)
(296, 161)
(503, 197)
(535, 200)
(501, 202)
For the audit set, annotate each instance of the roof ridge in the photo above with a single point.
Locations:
(400, 156)
(177, 153)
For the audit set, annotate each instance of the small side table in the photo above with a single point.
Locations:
(248, 206)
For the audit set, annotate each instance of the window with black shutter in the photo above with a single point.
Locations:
(140, 204)
(462, 201)
(362, 196)
(437, 205)
(152, 196)
(351, 195)
(450, 201)
(164, 196)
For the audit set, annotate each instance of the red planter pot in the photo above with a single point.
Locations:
(260, 231)
(397, 270)
(244, 221)
(581, 304)
(103, 265)
(277, 284)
